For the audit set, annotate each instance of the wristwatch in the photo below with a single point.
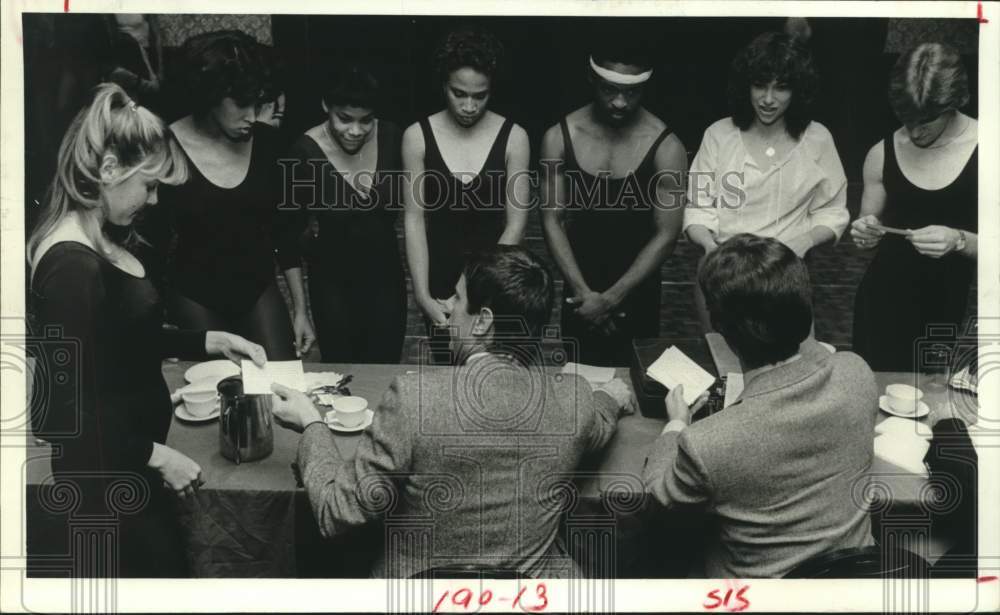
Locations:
(960, 244)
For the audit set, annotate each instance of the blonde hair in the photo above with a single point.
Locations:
(112, 125)
(927, 82)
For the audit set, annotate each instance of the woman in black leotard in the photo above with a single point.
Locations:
(225, 217)
(922, 178)
(466, 183)
(346, 173)
(109, 422)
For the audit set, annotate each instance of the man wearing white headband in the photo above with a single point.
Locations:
(618, 172)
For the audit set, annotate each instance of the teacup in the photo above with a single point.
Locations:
(903, 398)
(199, 403)
(349, 410)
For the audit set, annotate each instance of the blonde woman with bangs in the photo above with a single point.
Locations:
(108, 423)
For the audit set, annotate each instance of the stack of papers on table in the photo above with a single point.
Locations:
(596, 376)
(903, 450)
(322, 379)
(257, 380)
(904, 427)
(675, 368)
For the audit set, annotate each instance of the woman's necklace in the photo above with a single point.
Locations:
(361, 154)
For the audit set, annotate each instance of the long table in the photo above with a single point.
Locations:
(253, 520)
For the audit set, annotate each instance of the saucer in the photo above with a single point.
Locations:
(335, 425)
(218, 369)
(181, 412)
(922, 409)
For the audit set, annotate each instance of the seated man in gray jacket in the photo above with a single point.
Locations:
(783, 467)
(466, 464)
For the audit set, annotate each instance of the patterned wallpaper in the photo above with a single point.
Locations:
(176, 29)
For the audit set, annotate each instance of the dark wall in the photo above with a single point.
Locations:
(542, 78)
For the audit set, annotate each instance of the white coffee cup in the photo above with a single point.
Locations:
(903, 398)
(199, 403)
(350, 410)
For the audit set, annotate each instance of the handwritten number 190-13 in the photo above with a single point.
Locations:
(464, 598)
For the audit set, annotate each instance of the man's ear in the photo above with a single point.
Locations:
(484, 321)
(109, 168)
(326, 109)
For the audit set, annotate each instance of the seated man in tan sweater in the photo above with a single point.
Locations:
(465, 464)
(780, 466)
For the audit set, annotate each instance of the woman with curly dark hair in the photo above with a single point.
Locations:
(222, 271)
(466, 176)
(769, 169)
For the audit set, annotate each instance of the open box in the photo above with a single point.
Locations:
(705, 351)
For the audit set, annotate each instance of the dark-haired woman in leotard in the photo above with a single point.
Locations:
(466, 184)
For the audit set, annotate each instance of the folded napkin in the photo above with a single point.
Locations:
(903, 427)
(965, 380)
(322, 379)
(594, 375)
(903, 451)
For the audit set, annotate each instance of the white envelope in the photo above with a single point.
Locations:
(675, 368)
(594, 375)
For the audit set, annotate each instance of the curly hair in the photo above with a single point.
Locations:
(774, 56)
(475, 49)
(353, 85)
(227, 63)
(928, 81)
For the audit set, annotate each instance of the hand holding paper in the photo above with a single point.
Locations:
(674, 368)
(258, 380)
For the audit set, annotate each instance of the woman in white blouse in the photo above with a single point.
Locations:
(769, 169)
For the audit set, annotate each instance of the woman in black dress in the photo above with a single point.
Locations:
(109, 429)
(222, 273)
(466, 182)
(922, 179)
(346, 173)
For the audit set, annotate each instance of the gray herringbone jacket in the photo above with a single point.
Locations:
(464, 465)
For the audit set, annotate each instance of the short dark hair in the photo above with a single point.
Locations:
(928, 81)
(351, 85)
(759, 298)
(516, 285)
(468, 48)
(624, 48)
(769, 57)
(227, 63)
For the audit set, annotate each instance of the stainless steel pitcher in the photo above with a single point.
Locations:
(245, 431)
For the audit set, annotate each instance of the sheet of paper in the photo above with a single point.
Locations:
(905, 452)
(723, 356)
(257, 380)
(674, 368)
(734, 386)
(592, 374)
(890, 229)
(903, 427)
